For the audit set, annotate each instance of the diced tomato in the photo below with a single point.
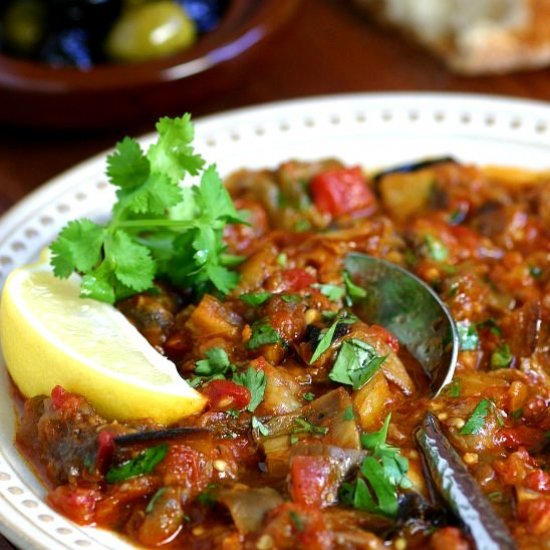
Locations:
(105, 450)
(177, 345)
(184, 466)
(65, 401)
(224, 395)
(310, 480)
(295, 280)
(521, 436)
(77, 503)
(341, 191)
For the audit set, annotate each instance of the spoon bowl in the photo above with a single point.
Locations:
(407, 307)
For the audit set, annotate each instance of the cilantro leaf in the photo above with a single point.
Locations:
(173, 154)
(381, 474)
(436, 250)
(476, 421)
(354, 291)
(262, 334)
(324, 342)
(143, 463)
(333, 292)
(255, 381)
(77, 248)
(356, 363)
(502, 357)
(257, 424)
(467, 336)
(255, 298)
(127, 167)
(135, 268)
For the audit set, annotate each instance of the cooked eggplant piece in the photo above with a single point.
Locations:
(459, 490)
(412, 167)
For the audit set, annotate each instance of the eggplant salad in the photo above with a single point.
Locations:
(321, 430)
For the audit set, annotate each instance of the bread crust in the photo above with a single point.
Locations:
(517, 39)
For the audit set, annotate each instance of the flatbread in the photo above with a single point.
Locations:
(474, 36)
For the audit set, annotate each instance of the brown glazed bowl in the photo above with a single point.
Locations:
(36, 95)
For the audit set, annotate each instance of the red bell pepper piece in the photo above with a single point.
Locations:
(341, 191)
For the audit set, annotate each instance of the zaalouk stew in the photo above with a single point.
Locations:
(309, 437)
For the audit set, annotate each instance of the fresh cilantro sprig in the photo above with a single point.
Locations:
(381, 474)
(158, 228)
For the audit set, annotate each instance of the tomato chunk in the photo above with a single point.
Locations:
(341, 191)
(224, 395)
(310, 480)
(105, 450)
(77, 503)
(297, 279)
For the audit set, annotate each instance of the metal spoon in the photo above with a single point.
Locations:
(406, 306)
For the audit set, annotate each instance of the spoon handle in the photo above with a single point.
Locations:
(459, 489)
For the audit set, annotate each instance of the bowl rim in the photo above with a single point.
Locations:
(245, 23)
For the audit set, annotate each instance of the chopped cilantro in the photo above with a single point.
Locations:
(260, 426)
(353, 291)
(333, 292)
(356, 363)
(255, 298)
(348, 413)
(282, 259)
(303, 426)
(158, 228)
(297, 521)
(255, 381)
(143, 463)
(381, 474)
(502, 357)
(215, 366)
(437, 251)
(453, 389)
(517, 414)
(467, 335)
(309, 396)
(324, 342)
(291, 298)
(475, 423)
(262, 334)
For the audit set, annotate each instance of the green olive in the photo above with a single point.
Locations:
(24, 25)
(149, 31)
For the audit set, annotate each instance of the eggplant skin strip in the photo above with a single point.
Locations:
(459, 490)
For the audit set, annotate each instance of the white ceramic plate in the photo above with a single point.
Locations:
(371, 130)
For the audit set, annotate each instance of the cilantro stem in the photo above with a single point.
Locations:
(149, 224)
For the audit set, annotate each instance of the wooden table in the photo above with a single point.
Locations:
(328, 49)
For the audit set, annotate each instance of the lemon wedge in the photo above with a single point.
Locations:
(50, 336)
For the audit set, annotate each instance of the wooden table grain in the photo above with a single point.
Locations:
(328, 48)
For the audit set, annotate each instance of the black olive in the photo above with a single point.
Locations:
(205, 13)
(68, 48)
